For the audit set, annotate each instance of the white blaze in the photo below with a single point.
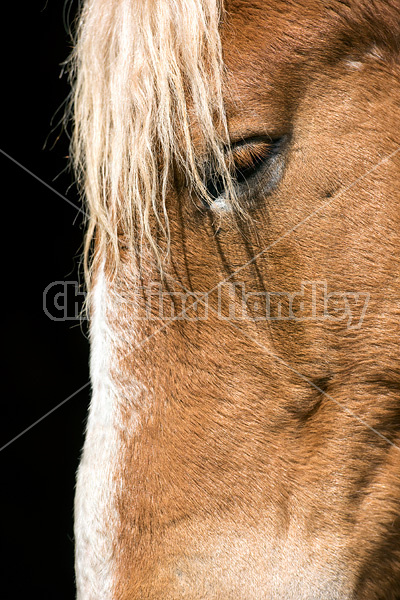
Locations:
(95, 516)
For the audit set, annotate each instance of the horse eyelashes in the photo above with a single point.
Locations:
(248, 158)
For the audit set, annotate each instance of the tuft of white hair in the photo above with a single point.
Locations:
(143, 71)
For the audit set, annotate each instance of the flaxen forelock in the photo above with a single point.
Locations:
(136, 68)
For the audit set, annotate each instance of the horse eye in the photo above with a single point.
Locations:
(246, 160)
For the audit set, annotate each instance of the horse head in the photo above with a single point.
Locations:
(241, 168)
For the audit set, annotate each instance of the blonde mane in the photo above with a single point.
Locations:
(143, 72)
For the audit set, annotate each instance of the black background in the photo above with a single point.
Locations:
(45, 361)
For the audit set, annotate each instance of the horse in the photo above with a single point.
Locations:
(240, 164)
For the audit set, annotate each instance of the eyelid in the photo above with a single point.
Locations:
(249, 154)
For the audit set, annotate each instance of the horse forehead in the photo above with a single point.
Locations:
(275, 34)
(265, 44)
(264, 16)
(273, 48)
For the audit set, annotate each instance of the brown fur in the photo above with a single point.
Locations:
(255, 471)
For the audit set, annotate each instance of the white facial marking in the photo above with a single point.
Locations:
(96, 518)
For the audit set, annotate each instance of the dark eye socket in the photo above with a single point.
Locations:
(246, 159)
